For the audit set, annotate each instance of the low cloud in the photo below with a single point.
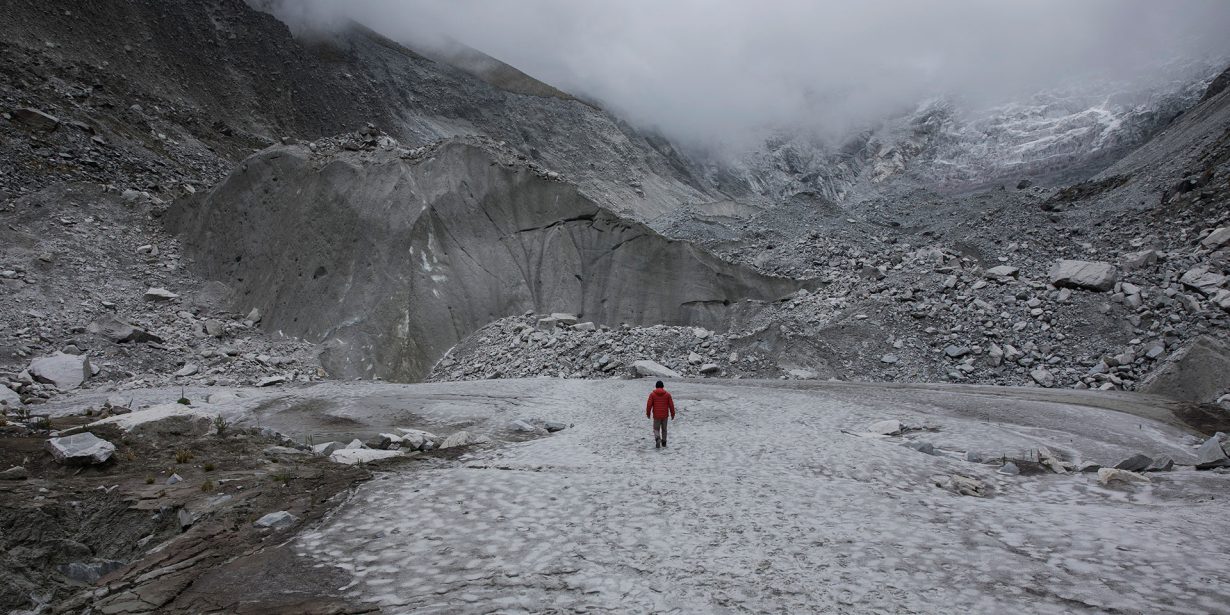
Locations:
(705, 71)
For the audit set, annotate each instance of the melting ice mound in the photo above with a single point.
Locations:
(390, 256)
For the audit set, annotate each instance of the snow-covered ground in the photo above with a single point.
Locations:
(768, 500)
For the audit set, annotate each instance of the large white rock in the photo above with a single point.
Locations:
(276, 520)
(414, 439)
(1107, 476)
(325, 448)
(463, 438)
(1211, 455)
(63, 371)
(82, 448)
(1094, 275)
(654, 369)
(351, 456)
(162, 420)
(9, 398)
(885, 428)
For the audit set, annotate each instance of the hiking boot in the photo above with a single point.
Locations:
(664, 444)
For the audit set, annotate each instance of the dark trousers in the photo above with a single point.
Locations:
(659, 431)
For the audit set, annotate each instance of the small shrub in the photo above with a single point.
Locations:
(209, 467)
(221, 425)
(282, 476)
(182, 398)
(207, 486)
(130, 455)
(149, 480)
(183, 456)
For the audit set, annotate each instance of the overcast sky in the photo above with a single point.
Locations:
(705, 70)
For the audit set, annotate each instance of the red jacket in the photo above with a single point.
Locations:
(660, 402)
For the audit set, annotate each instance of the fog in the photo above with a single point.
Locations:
(706, 71)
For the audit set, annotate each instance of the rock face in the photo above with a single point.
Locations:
(80, 449)
(1084, 274)
(63, 371)
(391, 257)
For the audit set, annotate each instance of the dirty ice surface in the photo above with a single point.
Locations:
(763, 503)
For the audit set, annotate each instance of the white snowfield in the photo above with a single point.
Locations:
(764, 503)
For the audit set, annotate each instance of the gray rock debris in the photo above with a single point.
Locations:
(80, 449)
(9, 398)
(463, 438)
(886, 428)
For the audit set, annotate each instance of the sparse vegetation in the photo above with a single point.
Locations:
(209, 467)
(183, 399)
(130, 455)
(183, 456)
(207, 486)
(281, 476)
(149, 480)
(221, 425)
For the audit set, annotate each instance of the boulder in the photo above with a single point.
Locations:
(554, 426)
(1138, 260)
(463, 438)
(1198, 372)
(1203, 280)
(163, 420)
(1107, 476)
(710, 369)
(1009, 469)
(355, 444)
(1089, 466)
(214, 327)
(276, 520)
(351, 456)
(1093, 275)
(523, 426)
(955, 352)
(1002, 271)
(15, 473)
(270, 381)
(1211, 455)
(1162, 464)
(188, 370)
(584, 326)
(653, 369)
(9, 399)
(964, 485)
(1217, 239)
(414, 439)
(63, 371)
(1043, 377)
(922, 447)
(388, 441)
(564, 320)
(886, 428)
(35, 119)
(159, 294)
(121, 332)
(1135, 463)
(325, 448)
(80, 449)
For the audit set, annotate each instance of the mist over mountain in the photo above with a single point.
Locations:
(726, 74)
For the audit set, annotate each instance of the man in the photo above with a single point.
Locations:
(657, 407)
